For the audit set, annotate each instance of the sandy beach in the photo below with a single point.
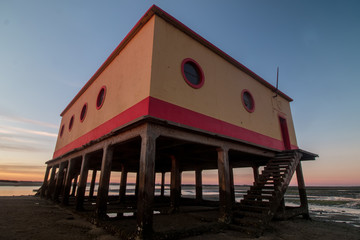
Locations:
(30, 217)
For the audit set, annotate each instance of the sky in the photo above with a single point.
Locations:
(50, 49)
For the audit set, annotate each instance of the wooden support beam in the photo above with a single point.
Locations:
(123, 182)
(302, 191)
(175, 184)
(146, 184)
(69, 176)
(51, 182)
(198, 182)
(59, 181)
(103, 191)
(92, 184)
(225, 203)
(162, 184)
(80, 195)
(45, 184)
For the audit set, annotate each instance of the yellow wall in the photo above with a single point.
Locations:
(220, 96)
(127, 80)
(156, 52)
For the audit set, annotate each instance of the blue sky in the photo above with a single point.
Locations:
(50, 49)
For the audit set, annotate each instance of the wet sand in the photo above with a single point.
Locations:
(29, 217)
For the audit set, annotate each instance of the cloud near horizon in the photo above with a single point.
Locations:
(12, 118)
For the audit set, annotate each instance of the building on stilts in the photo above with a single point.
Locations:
(167, 101)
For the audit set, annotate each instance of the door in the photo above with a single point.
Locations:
(285, 133)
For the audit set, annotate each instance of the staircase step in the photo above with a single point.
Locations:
(267, 192)
(253, 196)
(255, 203)
(260, 192)
(276, 168)
(274, 171)
(261, 187)
(269, 181)
(268, 177)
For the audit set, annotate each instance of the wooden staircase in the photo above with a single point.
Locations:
(265, 197)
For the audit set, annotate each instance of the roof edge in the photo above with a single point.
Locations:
(155, 10)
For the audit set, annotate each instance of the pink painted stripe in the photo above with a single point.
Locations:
(174, 113)
(170, 112)
(132, 113)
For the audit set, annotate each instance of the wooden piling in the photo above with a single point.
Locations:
(103, 191)
(45, 184)
(302, 191)
(256, 173)
(59, 181)
(92, 184)
(69, 176)
(224, 185)
(162, 190)
(175, 184)
(123, 182)
(146, 184)
(80, 195)
(75, 184)
(198, 182)
(51, 182)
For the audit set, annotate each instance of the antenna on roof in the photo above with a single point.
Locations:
(277, 83)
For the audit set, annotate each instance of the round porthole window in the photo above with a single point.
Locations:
(101, 97)
(192, 73)
(62, 130)
(248, 101)
(71, 123)
(83, 112)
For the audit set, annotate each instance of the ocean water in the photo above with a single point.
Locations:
(18, 190)
(336, 204)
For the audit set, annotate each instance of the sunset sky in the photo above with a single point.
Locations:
(50, 49)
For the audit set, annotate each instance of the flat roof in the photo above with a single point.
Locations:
(155, 10)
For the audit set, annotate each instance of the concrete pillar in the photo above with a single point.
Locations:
(225, 203)
(69, 176)
(45, 184)
(103, 191)
(51, 182)
(59, 181)
(146, 185)
(198, 181)
(92, 184)
(175, 184)
(123, 182)
(302, 191)
(80, 194)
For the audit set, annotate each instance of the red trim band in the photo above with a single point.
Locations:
(170, 112)
(134, 112)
